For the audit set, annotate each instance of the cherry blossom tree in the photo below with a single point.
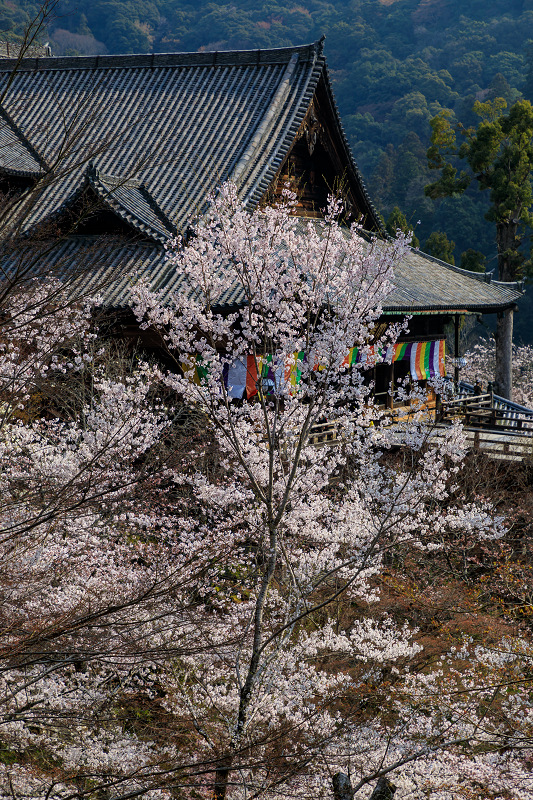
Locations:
(190, 579)
(307, 527)
(92, 573)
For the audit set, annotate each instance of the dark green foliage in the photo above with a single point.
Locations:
(398, 222)
(473, 260)
(497, 154)
(438, 245)
(527, 87)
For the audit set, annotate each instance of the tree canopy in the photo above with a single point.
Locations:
(437, 244)
(199, 599)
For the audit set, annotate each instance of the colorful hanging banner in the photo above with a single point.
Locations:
(258, 372)
(235, 378)
(194, 370)
(293, 369)
(402, 351)
(247, 374)
(426, 359)
(351, 358)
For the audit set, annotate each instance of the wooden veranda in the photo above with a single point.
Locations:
(503, 430)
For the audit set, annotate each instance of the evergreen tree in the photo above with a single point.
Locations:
(527, 87)
(473, 260)
(499, 157)
(438, 245)
(397, 221)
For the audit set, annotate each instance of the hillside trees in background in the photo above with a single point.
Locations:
(437, 244)
(473, 260)
(397, 223)
(393, 67)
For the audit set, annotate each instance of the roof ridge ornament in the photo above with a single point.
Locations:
(112, 181)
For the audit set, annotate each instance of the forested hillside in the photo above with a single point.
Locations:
(394, 65)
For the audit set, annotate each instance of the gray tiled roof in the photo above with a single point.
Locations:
(423, 283)
(128, 199)
(178, 124)
(17, 156)
(153, 135)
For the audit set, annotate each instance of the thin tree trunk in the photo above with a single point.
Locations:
(509, 259)
(223, 771)
(221, 778)
(384, 790)
(342, 788)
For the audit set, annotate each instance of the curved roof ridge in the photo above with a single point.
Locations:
(113, 180)
(304, 85)
(24, 149)
(483, 277)
(266, 124)
(107, 188)
(518, 285)
(273, 55)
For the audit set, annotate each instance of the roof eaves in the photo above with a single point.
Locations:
(488, 308)
(65, 205)
(482, 277)
(20, 173)
(91, 179)
(104, 185)
(158, 211)
(272, 166)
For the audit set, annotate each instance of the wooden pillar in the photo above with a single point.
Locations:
(456, 351)
(504, 354)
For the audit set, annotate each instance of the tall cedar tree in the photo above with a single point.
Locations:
(499, 155)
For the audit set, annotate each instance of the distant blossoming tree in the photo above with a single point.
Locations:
(480, 367)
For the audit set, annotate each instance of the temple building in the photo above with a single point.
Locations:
(109, 156)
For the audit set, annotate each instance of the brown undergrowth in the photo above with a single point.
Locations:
(482, 589)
